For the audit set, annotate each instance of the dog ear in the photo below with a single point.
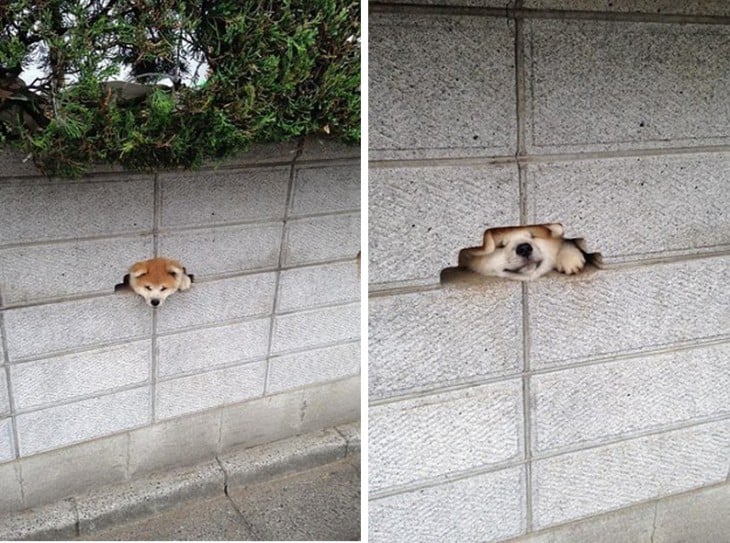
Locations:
(467, 255)
(139, 269)
(489, 243)
(174, 268)
(556, 229)
(124, 285)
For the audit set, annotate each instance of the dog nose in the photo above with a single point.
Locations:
(155, 302)
(524, 249)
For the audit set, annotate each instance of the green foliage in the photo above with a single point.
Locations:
(272, 71)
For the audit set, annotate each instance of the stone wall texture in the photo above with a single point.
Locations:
(264, 345)
(502, 410)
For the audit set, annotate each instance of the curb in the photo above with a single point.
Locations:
(99, 508)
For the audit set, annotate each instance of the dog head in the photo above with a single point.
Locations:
(516, 252)
(156, 279)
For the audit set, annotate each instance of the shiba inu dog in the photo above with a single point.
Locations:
(156, 279)
(525, 253)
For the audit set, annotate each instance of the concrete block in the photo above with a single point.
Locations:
(608, 85)
(303, 368)
(427, 84)
(222, 300)
(206, 348)
(13, 164)
(54, 522)
(11, 497)
(319, 239)
(444, 434)
(487, 507)
(58, 210)
(302, 288)
(307, 329)
(584, 483)
(105, 507)
(58, 474)
(331, 404)
(220, 196)
(211, 389)
(585, 405)
(262, 420)
(628, 525)
(45, 329)
(36, 272)
(316, 148)
(663, 7)
(668, 203)
(4, 399)
(7, 451)
(178, 442)
(227, 249)
(259, 153)
(81, 421)
(267, 419)
(420, 218)
(627, 310)
(65, 378)
(243, 467)
(443, 337)
(326, 189)
(351, 433)
(698, 516)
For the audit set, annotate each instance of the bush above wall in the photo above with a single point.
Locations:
(153, 85)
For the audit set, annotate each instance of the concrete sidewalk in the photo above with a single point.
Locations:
(319, 504)
(302, 488)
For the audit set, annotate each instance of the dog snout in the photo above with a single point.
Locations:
(524, 250)
(155, 302)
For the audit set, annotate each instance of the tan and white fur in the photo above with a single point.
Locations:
(524, 253)
(156, 279)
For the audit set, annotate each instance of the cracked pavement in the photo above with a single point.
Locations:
(319, 504)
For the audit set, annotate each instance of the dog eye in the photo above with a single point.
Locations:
(163, 288)
(148, 287)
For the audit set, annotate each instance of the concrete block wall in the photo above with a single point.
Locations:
(572, 408)
(268, 333)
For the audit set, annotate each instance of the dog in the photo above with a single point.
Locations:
(525, 253)
(156, 279)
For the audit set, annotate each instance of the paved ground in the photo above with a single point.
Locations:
(319, 504)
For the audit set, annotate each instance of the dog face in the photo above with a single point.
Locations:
(156, 279)
(524, 253)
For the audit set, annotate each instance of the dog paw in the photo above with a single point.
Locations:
(570, 260)
(185, 282)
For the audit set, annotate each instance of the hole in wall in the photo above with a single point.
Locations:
(522, 253)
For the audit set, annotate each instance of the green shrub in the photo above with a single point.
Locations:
(266, 72)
